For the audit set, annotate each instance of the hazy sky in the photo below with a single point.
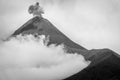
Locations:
(90, 23)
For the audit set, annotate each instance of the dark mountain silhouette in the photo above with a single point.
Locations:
(105, 63)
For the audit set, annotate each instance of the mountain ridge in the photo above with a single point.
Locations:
(42, 26)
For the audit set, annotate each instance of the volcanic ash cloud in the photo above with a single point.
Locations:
(28, 58)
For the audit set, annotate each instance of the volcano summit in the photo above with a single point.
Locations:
(105, 63)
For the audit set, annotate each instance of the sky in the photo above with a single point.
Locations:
(90, 23)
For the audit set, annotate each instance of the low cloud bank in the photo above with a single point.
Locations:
(28, 58)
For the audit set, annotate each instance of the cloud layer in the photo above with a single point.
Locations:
(28, 58)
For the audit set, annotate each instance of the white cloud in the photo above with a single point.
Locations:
(28, 58)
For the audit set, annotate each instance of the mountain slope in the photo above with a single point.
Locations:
(105, 63)
(42, 26)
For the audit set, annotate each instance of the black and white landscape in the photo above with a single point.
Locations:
(54, 47)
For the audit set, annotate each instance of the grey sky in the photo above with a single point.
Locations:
(91, 23)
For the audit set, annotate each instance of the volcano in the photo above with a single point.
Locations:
(105, 63)
(41, 26)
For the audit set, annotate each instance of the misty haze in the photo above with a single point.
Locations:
(59, 40)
